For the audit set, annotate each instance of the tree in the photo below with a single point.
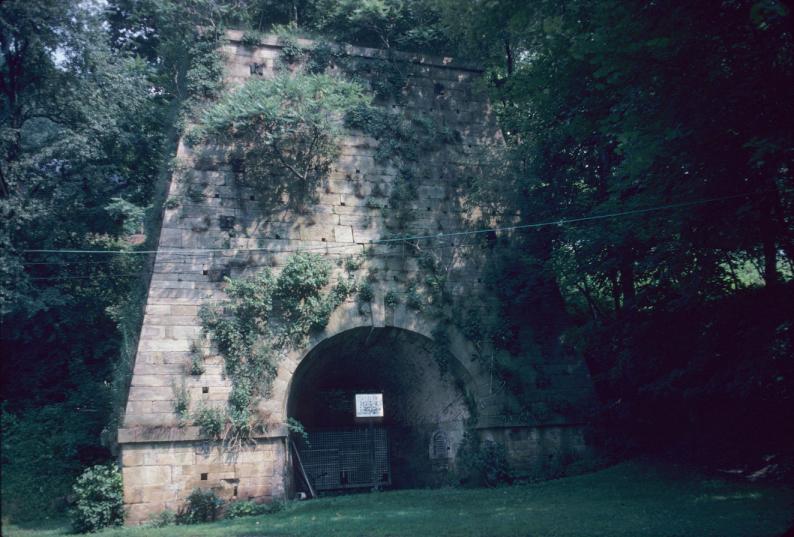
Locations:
(82, 134)
(673, 118)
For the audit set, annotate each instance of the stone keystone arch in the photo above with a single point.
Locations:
(215, 228)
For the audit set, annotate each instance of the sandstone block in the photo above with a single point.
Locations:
(150, 393)
(253, 491)
(316, 233)
(366, 235)
(255, 469)
(164, 345)
(140, 476)
(153, 380)
(139, 407)
(138, 513)
(343, 234)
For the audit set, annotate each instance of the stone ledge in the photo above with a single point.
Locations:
(143, 435)
(505, 422)
(444, 62)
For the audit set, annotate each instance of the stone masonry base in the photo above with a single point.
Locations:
(160, 476)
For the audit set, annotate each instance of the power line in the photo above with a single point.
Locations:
(95, 276)
(438, 236)
(209, 256)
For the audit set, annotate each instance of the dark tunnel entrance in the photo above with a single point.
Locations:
(424, 411)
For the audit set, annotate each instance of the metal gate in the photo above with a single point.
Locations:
(344, 459)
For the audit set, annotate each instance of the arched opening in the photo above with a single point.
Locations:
(425, 408)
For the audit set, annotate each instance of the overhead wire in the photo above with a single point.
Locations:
(436, 236)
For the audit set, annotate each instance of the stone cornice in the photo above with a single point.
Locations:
(444, 62)
(145, 435)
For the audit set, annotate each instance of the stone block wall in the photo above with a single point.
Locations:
(157, 474)
(216, 228)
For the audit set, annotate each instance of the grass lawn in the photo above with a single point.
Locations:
(631, 499)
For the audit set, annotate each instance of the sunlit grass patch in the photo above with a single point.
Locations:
(630, 499)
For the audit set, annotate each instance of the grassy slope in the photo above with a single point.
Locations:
(629, 499)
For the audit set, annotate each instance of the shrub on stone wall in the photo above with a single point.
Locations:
(482, 463)
(201, 506)
(263, 316)
(99, 499)
(288, 128)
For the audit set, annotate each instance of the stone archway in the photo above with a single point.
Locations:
(426, 393)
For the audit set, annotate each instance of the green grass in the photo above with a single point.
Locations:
(631, 499)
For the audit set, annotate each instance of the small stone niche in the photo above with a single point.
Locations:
(439, 446)
(226, 223)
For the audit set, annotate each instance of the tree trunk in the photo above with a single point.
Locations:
(509, 57)
(771, 276)
(627, 288)
(612, 276)
(769, 234)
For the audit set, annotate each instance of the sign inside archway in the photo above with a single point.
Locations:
(369, 405)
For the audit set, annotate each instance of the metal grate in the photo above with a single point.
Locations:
(347, 458)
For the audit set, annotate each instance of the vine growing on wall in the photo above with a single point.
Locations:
(286, 133)
(287, 129)
(264, 317)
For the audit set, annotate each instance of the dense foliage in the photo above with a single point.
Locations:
(99, 501)
(674, 116)
(242, 508)
(80, 136)
(286, 131)
(263, 317)
(656, 134)
(201, 506)
(88, 121)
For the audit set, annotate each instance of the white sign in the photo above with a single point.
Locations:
(369, 405)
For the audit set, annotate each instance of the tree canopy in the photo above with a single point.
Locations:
(656, 134)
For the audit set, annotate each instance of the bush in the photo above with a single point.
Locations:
(365, 293)
(43, 451)
(163, 519)
(286, 125)
(99, 499)
(210, 421)
(246, 508)
(201, 506)
(251, 508)
(483, 463)
(392, 299)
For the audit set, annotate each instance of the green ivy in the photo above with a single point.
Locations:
(204, 77)
(391, 299)
(296, 427)
(291, 52)
(388, 77)
(414, 299)
(251, 39)
(197, 367)
(365, 293)
(181, 401)
(287, 130)
(263, 317)
(210, 421)
(321, 57)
